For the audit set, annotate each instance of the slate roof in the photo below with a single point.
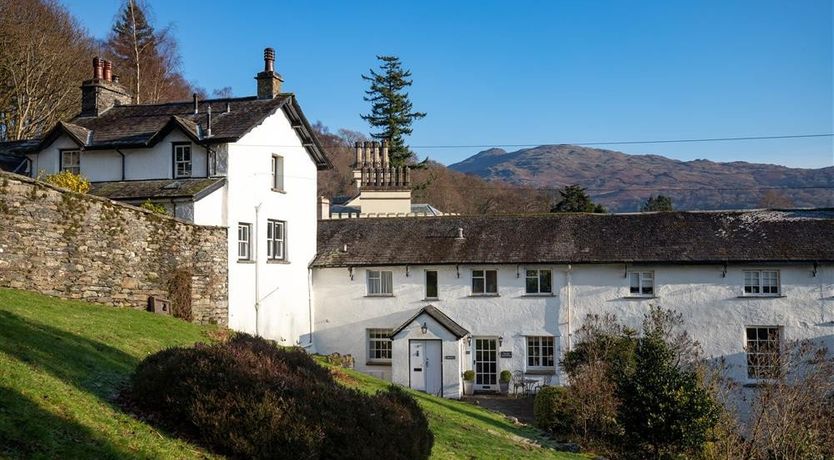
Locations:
(669, 237)
(143, 125)
(450, 325)
(157, 189)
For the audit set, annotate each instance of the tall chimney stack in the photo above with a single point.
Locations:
(102, 92)
(269, 81)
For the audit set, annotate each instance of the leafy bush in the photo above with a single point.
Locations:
(505, 376)
(155, 208)
(249, 398)
(554, 410)
(469, 375)
(67, 180)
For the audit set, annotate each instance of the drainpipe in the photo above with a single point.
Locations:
(570, 307)
(255, 257)
(123, 162)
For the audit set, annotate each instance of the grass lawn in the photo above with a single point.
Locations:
(62, 364)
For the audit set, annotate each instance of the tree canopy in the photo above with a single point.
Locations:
(575, 199)
(657, 204)
(392, 113)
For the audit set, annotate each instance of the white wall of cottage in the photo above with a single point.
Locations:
(712, 303)
(156, 162)
(283, 287)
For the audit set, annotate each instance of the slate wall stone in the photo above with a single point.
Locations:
(89, 248)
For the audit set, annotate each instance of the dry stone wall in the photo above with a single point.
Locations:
(85, 247)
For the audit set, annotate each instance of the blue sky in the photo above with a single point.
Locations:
(491, 73)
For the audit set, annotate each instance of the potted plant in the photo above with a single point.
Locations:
(469, 382)
(504, 381)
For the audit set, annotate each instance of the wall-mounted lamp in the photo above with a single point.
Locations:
(424, 328)
(468, 340)
(500, 340)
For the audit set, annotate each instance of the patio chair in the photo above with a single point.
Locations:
(518, 382)
(544, 382)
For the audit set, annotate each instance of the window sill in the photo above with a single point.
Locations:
(245, 261)
(378, 363)
(379, 295)
(545, 294)
(543, 371)
(762, 296)
(279, 190)
(278, 261)
(431, 299)
(639, 297)
(484, 295)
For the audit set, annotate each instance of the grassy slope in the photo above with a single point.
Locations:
(63, 362)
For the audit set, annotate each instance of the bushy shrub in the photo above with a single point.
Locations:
(248, 398)
(67, 180)
(505, 376)
(155, 208)
(554, 410)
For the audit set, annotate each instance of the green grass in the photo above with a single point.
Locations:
(462, 430)
(62, 364)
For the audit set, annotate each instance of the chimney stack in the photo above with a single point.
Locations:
(102, 92)
(269, 81)
(108, 70)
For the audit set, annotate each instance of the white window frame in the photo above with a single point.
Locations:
(642, 277)
(756, 288)
(539, 359)
(244, 241)
(755, 369)
(481, 274)
(73, 166)
(379, 343)
(276, 248)
(436, 285)
(537, 275)
(277, 173)
(180, 151)
(376, 283)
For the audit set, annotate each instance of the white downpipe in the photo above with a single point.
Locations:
(570, 308)
(254, 239)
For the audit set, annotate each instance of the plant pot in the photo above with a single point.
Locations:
(505, 387)
(468, 387)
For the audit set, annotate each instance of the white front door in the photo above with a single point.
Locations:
(425, 363)
(486, 364)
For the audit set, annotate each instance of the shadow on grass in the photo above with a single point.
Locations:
(89, 365)
(475, 412)
(29, 431)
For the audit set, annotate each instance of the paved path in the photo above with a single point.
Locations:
(521, 408)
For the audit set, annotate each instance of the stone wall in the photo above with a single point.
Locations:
(85, 247)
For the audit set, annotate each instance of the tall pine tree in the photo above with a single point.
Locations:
(574, 199)
(391, 109)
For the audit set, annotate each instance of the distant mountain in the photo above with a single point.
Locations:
(622, 182)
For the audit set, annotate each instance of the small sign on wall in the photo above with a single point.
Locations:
(506, 354)
(448, 357)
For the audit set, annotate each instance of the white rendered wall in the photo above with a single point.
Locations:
(106, 165)
(714, 313)
(212, 209)
(283, 287)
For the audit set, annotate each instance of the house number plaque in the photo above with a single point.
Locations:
(506, 354)
(448, 357)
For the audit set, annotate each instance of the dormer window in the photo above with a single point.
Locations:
(71, 161)
(182, 160)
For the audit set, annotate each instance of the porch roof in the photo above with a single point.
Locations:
(448, 323)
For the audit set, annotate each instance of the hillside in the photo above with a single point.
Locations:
(621, 181)
(64, 362)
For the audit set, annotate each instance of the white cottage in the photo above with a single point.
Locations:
(249, 164)
(420, 300)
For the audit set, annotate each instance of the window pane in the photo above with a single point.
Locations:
(387, 283)
(491, 281)
(477, 285)
(545, 284)
(635, 283)
(532, 285)
(431, 284)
